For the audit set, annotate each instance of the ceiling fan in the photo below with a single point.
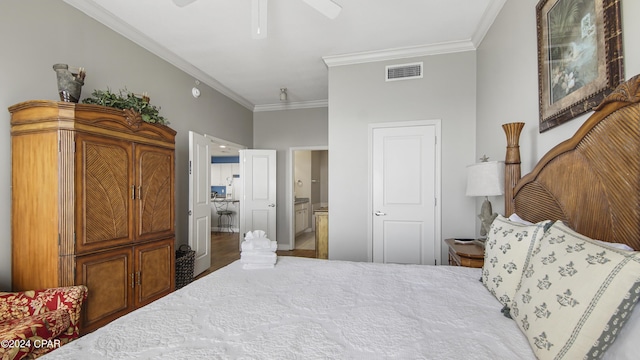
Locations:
(327, 8)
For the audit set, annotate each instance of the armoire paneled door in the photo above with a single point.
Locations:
(93, 203)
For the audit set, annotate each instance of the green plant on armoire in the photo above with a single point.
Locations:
(125, 100)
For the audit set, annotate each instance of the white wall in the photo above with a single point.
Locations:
(281, 131)
(37, 34)
(302, 173)
(320, 173)
(358, 96)
(508, 82)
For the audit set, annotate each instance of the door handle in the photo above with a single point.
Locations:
(272, 205)
(380, 213)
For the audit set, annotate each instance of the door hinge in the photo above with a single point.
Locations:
(189, 167)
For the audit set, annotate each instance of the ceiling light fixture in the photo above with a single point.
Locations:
(195, 91)
(283, 94)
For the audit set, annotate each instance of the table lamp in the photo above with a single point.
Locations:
(486, 179)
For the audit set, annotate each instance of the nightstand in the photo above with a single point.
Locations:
(469, 255)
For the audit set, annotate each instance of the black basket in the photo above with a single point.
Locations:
(185, 258)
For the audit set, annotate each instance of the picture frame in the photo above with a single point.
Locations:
(580, 58)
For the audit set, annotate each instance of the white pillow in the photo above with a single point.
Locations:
(575, 295)
(516, 218)
(626, 345)
(619, 246)
(506, 253)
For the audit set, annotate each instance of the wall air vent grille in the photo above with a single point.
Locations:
(403, 72)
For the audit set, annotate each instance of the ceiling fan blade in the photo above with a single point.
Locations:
(182, 3)
(259, 19)
(327, 8)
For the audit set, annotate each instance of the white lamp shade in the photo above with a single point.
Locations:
(485, 179)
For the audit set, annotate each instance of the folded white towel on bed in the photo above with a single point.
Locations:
(251, 257)
(252, 260)
(258, 252)
(256, 234)
(257, 266)
(259, 245)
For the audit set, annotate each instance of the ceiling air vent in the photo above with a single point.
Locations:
(403, 72)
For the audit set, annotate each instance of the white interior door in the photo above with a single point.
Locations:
(200, 200)
(404, 194)
(258, 179)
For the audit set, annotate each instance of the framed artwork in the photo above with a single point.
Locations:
(579, 56)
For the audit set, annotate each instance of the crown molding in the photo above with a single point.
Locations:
(291, 105)
(398, 53)
(489, 16)
(107, 18)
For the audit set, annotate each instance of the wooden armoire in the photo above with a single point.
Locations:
(92, 203)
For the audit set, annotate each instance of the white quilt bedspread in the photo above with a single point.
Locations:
(315, 309)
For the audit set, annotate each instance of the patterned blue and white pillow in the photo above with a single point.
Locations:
(575, 295)
(506, 254)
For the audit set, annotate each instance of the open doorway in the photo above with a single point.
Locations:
(225, 191)
(309, 193)
(225, 188)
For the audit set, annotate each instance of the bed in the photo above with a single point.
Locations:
(585, 189)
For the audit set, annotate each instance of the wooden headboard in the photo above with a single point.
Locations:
(590, 181)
